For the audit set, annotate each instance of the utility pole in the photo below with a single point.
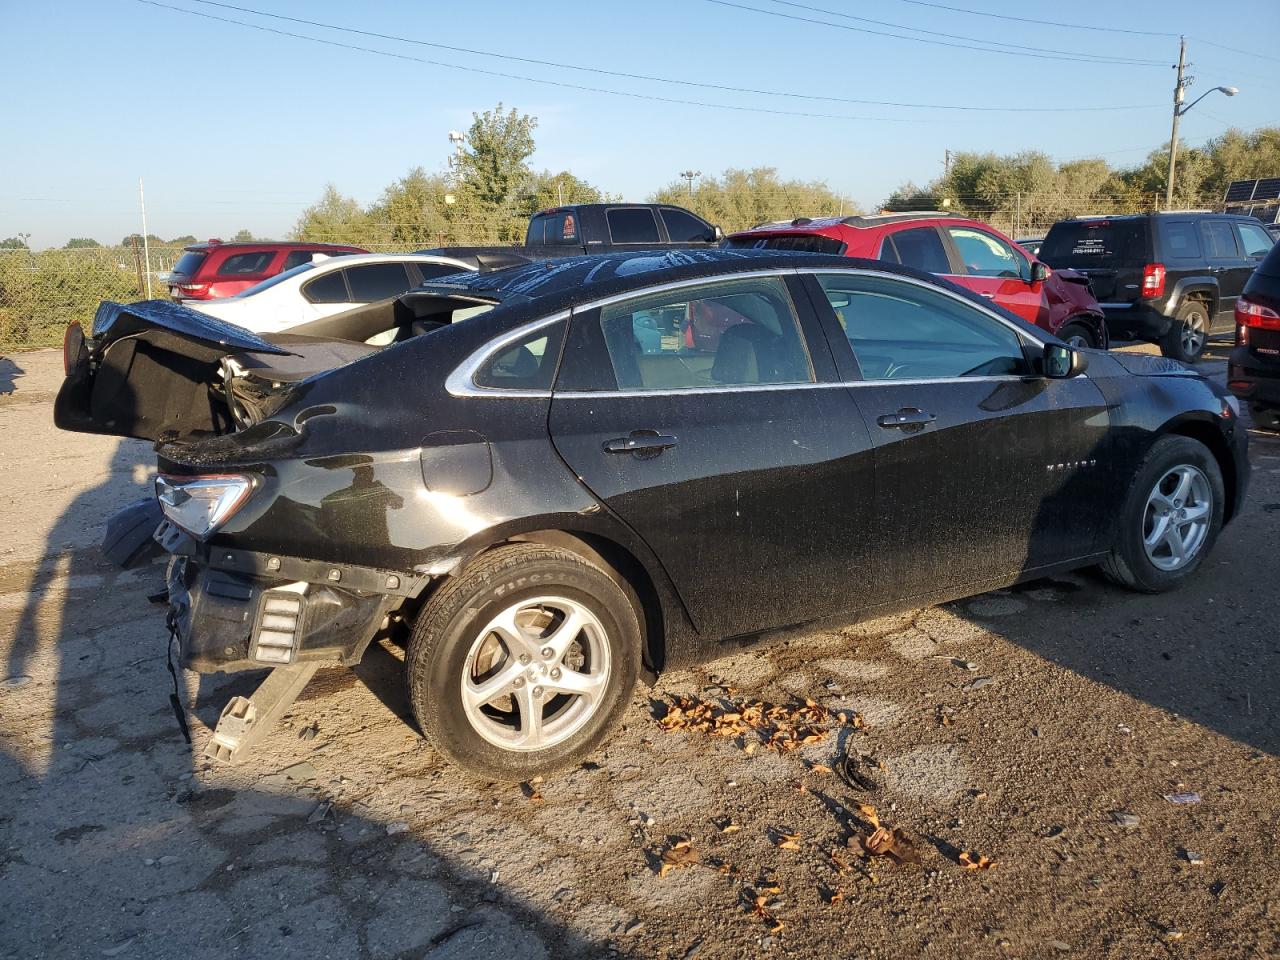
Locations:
(690, 175)
(1178, 92)
(146, 245)
(946, 162)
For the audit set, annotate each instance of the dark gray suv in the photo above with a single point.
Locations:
(1169, 278)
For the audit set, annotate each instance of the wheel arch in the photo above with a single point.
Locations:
(1095, 322)
(1202, 430)
(1194, 288)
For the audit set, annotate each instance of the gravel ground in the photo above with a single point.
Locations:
(1043, 727)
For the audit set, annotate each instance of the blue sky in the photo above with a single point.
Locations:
(234, 127)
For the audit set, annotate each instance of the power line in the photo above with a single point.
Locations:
(1037, 21)
(953, 36)
(656, 79)
(527, 79)
(1076, 58)
(1223, 46)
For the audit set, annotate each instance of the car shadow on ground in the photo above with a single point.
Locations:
(117, 839)
(9, 373)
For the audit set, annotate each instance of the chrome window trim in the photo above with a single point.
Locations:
(460, 382)
(774, 387)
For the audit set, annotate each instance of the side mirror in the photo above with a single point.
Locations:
(1039, 272)
(1061, 362)
(717, 234)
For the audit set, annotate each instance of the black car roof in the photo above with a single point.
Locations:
(572, 280)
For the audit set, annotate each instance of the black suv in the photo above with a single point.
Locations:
(1170, 278)
(1253, 373)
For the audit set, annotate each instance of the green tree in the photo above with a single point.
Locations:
(13, 243)
(338, 219)
(182, 241)
(492, 173)
(738, 199)
(242, 236)
(415, 210)
(80, 243)
(152, 240)
(547, 189)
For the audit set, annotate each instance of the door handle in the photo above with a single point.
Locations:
(908, 418)
(640, 441)
(989, 296)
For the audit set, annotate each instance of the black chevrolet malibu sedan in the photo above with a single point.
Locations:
(547, 488)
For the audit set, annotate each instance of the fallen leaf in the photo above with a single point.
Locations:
(832, 897)
(868, 811)
(680, 854)
(819, 768)
(974, 861)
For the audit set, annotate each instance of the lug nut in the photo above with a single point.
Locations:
(537, 693)
(518, 682)
(555, 673)
(547, 653)
(524, 658)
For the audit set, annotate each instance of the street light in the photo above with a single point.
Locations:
(690, 175)
(1179, 110)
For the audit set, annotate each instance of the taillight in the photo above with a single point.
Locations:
(1250, 314)
(200, 505)
(194, 289)
(1153, 280)
(72, 341)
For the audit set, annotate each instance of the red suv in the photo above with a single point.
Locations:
(207, 271)
(965, 251)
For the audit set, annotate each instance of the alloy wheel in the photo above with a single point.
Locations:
(536, 674)
(1078, 341)
(1176, 521)
(1192, 333)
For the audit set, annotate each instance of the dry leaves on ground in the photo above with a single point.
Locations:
(974, 861)
(780, 727)
(679, 855)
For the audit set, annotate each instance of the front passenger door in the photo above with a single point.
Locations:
(984, 469)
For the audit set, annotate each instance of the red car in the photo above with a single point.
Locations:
(207, 271)
(965, 251)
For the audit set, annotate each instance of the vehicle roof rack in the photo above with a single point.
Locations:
(863, 220)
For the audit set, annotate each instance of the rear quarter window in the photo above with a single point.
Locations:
(528, 364)
(189, 263)
(246, 264)
(1180, 241)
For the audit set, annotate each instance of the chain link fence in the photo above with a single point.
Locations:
(41, 292)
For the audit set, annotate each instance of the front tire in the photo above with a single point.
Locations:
(520, 665)
(1077, 336)
(1171, 517)
(1264, 418)
(1188, 333)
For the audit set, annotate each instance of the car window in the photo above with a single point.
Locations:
(189, 263)
(278, 279)
(919, 247)
(901, 331)
(1257, 243)
(732, 333)
(1180, 240)
(528, 364)
(1219, 240)
(330, 288)
(431, 271)
(986, 255)
(377, 281)
(245, 264)
(1094, 243)
(684, 227)
(632, 225)
(806, 244)
(297, 257)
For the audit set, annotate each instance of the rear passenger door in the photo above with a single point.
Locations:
(996, 270)
(745, 467)
(1227, 263)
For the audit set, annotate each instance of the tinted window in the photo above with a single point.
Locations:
(632, 225)
(377, 281)
(246, 264)
(1094, 243)
(986, 255)
(684, 227)
(920, 248)
(529, 364)
(430, 271)
(1254, 239)
(736, 332)
(1219, 240)
(331, 288)
(279, 278)
(899, 331)
(189, 263)
(814, 244)
(1179, 240)
(559, 228)
(297, 257)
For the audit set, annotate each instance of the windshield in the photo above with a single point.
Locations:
(272, 281)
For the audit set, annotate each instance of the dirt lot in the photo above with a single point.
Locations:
(1044, 727)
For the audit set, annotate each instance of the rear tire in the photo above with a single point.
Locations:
(1077, 335)
(521, 664)
(1188, 333)
(1175, 504)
